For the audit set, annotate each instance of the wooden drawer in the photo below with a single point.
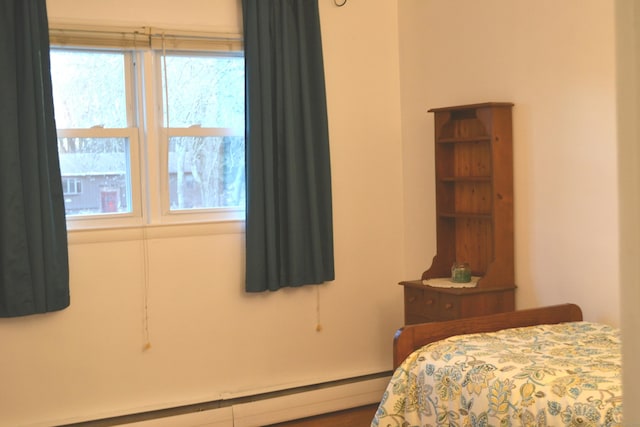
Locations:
(428, 304)
(449, 307)
(419, 303)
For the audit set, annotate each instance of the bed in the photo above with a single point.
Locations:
(537, 367)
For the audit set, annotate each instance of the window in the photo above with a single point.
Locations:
(71, 186)
(204, 119)
(149, 135)
(96, 130)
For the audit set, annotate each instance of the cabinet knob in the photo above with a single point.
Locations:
(448, 306)
(411, 299)
(429, 302)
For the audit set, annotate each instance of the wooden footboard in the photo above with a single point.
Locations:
(411, 337)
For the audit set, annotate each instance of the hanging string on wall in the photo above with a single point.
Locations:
(339, 4)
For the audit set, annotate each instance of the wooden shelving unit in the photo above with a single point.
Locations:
(474, 211)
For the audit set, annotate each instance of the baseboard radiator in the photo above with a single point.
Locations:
(263, 409)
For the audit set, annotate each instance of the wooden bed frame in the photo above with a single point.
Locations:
(411, 337)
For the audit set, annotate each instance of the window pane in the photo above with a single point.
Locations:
(88, 89)
(95, 175)
(204, 90)
(206, 172)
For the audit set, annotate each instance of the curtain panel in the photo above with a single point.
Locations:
(289, 228)
(34, 271)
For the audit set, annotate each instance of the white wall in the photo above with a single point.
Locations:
(209, 339)
(556, 62)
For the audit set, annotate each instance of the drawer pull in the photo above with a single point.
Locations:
(429, 302)
(448, 306)
(411, 299)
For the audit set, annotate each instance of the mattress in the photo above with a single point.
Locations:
(567, 374)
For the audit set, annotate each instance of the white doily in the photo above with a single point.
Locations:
(445, 282)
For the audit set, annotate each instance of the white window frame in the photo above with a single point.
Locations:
(173, 216)
(148, 139)
(162, 207)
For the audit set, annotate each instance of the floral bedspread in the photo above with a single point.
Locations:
(547, 375)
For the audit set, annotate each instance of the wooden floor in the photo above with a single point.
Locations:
(357, 417)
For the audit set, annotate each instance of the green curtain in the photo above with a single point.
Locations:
(34, 271)
(289, 226)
